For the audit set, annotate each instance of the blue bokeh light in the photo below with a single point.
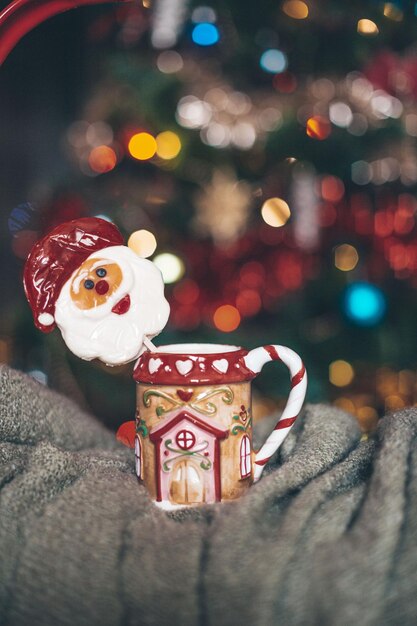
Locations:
(364, 304)
(22, 217)
(205, 34)
(273, 61)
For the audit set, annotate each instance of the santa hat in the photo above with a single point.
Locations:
(54, 258)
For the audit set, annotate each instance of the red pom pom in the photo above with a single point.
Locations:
(126, 434)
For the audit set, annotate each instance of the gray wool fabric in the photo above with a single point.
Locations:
(328, 536)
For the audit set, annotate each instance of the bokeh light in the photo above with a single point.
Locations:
(99, 134)
(205, 34)
(341, 373)
(364, 304)
(142, 146)
(39, 375)
(367, 27)
(332, 188)
(318, 127)
(168, 145)
(275, 212)
(187, 291)
(295, 9)
(273, 61)
(203, 14)
(102, 159)
(340, 114)
(21, 217)
(393, 12)
(285, 82)
(346, 257)
(192, 112)
(171, 267)
(226, 318)
(248, 302)
(169, 62)
(143, 243)
(103, 216)
(243, 135)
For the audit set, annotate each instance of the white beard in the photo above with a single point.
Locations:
(100, 333)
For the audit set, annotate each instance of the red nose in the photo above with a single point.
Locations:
(102, 287)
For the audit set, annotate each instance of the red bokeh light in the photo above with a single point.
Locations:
(187, 291)
(285, 82)
(328, 215)
(252, 275)
(248, 302)
(102, 159)
(383, 223)
(332, 188)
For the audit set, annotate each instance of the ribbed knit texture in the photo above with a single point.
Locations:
(328, 536)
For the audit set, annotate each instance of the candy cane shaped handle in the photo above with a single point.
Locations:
(255, 360)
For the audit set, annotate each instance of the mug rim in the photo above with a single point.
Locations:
(193, 363)
(196, 349)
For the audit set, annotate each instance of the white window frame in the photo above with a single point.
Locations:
(245, 457)
(138, 456)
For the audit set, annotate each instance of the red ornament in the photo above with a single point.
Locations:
(126, 434)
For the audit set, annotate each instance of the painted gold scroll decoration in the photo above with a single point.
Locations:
(201, 403)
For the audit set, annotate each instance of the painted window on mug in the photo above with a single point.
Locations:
(138, 456)
(185, 439)
(245, 457)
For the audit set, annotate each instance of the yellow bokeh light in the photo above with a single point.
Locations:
(394, 402)
(275, 212)
(367, 417)
(143, 243)
(393, 12)
(142, 146)
(341, 373)
(367, 27)
(296, 9)
(168, 145)
(346, 257)
(171, 267)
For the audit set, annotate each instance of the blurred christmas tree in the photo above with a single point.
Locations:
(271, 150)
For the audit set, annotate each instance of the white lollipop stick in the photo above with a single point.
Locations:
(148, 343)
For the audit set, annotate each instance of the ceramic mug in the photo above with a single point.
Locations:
(193, 441)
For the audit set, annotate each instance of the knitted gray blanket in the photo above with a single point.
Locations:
(328, 536)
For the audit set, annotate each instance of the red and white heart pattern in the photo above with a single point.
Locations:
(184, 367)
(221, 365)
(154, 365)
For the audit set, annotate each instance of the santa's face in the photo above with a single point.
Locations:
(94, 282)
(109, 304)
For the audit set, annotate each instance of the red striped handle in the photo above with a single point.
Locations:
(255, 360)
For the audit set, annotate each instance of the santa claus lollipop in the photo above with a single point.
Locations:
(104, 298)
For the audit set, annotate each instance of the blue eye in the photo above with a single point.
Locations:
(89, 284)
(101, 272)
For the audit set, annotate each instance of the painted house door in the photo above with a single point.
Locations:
(187, 483)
